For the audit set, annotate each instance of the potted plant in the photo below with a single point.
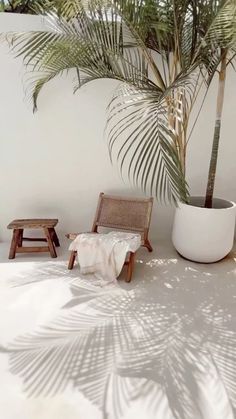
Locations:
(164, 54)
(204, 227)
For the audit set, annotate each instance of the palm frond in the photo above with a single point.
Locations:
(92, 43)
(218, 32)
(140, 134)
(154, 47)
(222, 30)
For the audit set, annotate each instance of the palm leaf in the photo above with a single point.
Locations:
(222, 31)
(218, 31)
(131, 345)
(116, 39)
(149, 148)
(90, 43)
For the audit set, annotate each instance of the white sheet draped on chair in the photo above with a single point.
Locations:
(104, 254)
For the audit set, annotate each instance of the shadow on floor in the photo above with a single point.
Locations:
(168, 339)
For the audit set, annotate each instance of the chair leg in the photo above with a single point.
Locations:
(72, 259)
(51, 246)
(14, 244)
(130, 267)
(147, 244)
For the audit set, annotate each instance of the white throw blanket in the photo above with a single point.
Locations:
(104, 254)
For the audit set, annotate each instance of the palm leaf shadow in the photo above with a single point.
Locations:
(111, 339)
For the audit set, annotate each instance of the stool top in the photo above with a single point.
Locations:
(33, 223)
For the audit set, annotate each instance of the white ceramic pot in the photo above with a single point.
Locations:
(204, 234)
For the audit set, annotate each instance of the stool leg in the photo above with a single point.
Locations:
(50, 242)
(14, 242)
(55, 237)
(130, 267)
(72, 260)
(20, 238)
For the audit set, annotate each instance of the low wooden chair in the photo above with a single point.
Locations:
(121, 213)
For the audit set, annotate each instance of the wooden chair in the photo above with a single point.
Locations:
(121, 213)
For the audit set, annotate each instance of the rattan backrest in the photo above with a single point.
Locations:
(122, 213)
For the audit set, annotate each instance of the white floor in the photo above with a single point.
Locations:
(161, 347)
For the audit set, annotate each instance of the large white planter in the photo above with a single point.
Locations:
(204, 234)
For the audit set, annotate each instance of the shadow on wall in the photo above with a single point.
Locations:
(167, 340)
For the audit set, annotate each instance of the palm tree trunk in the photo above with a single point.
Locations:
(216, 138)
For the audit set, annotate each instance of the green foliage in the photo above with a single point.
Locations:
(17, 6)
(28, 6)
(164, 53)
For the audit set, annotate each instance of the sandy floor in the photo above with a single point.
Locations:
(161, 347)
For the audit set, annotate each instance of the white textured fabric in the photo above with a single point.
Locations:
(104, 254)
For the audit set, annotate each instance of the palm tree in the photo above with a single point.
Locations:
(225, 51)
(163, 53)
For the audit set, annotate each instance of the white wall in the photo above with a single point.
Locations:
(55, 162)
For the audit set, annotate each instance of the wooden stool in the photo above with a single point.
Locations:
(47, 225)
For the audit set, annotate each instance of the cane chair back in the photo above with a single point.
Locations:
(123, 213)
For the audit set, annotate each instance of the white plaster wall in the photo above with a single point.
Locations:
(55, 162)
